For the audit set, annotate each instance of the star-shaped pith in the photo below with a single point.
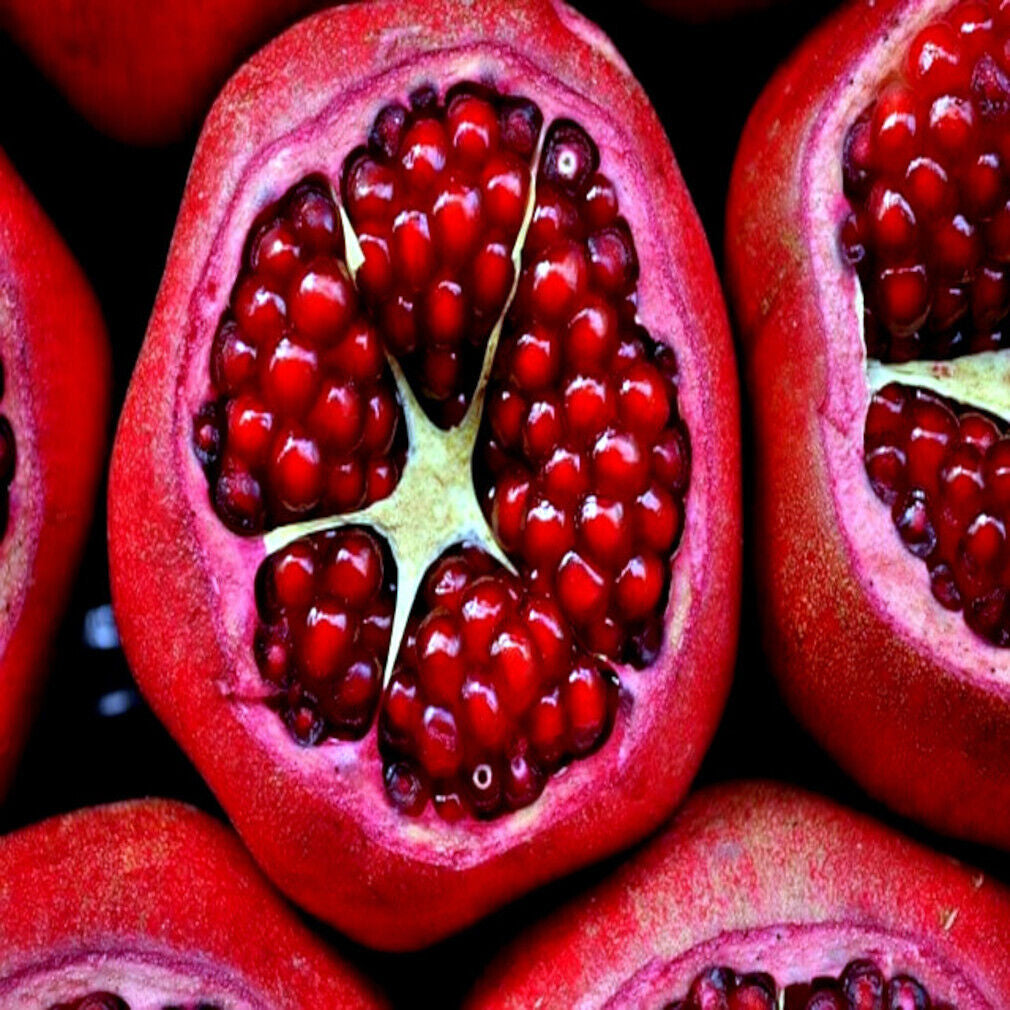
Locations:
(434, 506)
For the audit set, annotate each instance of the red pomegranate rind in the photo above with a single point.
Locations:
(144, 73)
(910, 700)
(764, 879)
(160, 905)
(313, 96)
(56, 379)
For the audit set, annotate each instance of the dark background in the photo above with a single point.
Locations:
(95, 740)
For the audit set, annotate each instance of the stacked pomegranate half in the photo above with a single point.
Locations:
(762, 898)
(54, 393)
(151, 905)
(428, 471)
(873, 285)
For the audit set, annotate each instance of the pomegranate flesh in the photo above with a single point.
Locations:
(429, 465)
(151, 905)
(759, 897)
(54, 393)
(883, 439)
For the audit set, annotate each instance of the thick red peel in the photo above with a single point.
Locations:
(141, 897)
(57, 376)
(762, 877)
(910, 702)
(179, 579)
(144, 72)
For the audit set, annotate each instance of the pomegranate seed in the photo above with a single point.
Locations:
(440, 657)
(326, 639)
(569, 157)
(296, 472)
(483, 716)
(355, 570)
(292, 377)
(582, 588)
(423, 154)
(456, 220)
(322, 301)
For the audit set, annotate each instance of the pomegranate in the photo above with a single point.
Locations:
(865, 224)
(760, 897)
(54, 393)
(424, 503)
(151, 905)
(143, 72)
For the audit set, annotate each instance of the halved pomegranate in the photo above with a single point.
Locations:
(144, 72)
(151, 905)
(761, 897)
(424, 506)
(54, 401)
(868, 256)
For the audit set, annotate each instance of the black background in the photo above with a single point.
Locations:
(95, 740)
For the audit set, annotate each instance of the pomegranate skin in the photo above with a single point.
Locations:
(918, 714)
(162, 883)
(332, 842)
(57, 378)
(144, 72)
(761, 877)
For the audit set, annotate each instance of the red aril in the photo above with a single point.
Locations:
(54, 403)
(543, 693)
(759, 897)
(151, 905)
(867, 259)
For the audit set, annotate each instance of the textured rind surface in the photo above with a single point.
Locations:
(163, 880)
(745, 856)
(143, 72)
(56, 361)
(924, 736)
(416, 886)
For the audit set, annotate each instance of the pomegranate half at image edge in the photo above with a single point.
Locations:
(151, 905)
(536, 495)
(144, 73)
(54, 403)
(761, 897)
(868, 246)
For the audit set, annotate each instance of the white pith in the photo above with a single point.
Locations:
(434, 505)
(895, 580)
(347, 771)
(793, 954)
(144, 980)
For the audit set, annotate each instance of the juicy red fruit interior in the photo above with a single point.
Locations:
(861, 986)
(582, 461)
(926, 168)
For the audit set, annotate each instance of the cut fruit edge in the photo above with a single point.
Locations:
(164, 535)
(173, 911)
(762, 877)
(882, 564)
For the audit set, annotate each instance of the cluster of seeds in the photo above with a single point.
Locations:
(586, 458)
(582, 460)
(304, 418)
(861, 986)
(926, 168)
(109, 1001)
(7, 460)
(946, 477)
(436, 198)
(491, 694)
(326, 608)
